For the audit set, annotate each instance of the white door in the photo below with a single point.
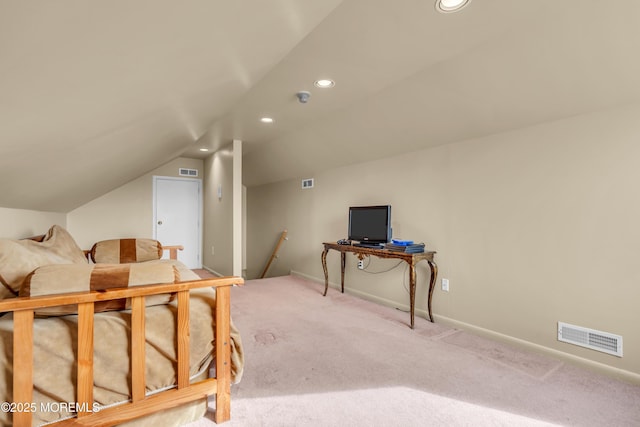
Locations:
(177, 216)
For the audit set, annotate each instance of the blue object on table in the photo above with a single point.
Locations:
(402, 242)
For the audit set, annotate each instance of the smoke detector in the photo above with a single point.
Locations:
(303, 96)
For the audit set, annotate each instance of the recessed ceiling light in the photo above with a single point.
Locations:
(448, 6)
(324, 83)
(204, 149)
(266, 120)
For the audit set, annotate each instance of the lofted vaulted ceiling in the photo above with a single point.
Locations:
(94, 94)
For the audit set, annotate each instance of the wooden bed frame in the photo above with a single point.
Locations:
(23, 314)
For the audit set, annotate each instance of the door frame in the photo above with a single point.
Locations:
(156, 178)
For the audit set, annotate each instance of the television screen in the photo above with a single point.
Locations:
(370, 223)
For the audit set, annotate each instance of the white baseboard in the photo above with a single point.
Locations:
(212, 271)
(621, 374)
(363, 295)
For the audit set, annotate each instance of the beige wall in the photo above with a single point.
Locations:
(218, 212)
(126, 211)
(21, 223)
(532, 227)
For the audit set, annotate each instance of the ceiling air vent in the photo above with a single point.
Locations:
(590, 338)
(188, 172)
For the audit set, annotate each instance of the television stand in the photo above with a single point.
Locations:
(409, 258)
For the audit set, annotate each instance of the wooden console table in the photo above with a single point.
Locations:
(361, 252)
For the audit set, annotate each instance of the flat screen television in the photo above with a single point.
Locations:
(370, 224)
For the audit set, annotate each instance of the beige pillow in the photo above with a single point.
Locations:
(20, 257)
(121, 251)
(64, 278)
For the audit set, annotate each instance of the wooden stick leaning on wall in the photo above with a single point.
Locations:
(24, 307)
(274, 254)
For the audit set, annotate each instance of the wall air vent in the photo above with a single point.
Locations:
(307, 183)
(590, 338)
(188, 172)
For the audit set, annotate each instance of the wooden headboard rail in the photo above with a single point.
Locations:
(140, 405)
(173, 250)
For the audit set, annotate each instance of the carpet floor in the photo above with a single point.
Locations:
(343, 361)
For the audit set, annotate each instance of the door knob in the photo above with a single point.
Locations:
(159, 222)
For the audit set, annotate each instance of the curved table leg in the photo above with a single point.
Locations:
(343, 262)
(412, 291)
(432, 285)
(326, 272)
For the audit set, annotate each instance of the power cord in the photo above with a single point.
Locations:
(382, 271)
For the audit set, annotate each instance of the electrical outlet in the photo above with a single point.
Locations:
(213, 252)
(361, 265)
(445, 285)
